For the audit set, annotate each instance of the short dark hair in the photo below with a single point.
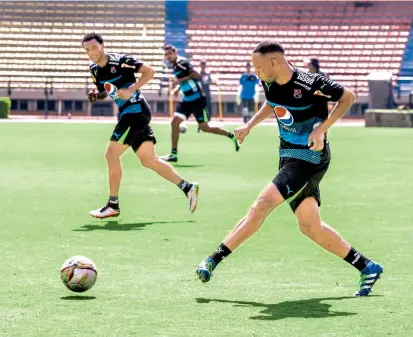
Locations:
(269, 46)
(169, 47)
(92, 36)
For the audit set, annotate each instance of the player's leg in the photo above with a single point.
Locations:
(113, 153)
(290, 180)
(269, 198)
(201, 115)
(313, 227)
(179, 116)
(146, 153)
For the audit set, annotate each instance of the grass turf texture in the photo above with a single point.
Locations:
(277, 284)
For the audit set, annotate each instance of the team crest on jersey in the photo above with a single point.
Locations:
(283, 115)
(113, 70)
(297, 93)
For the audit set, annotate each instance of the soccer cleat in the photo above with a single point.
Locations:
(105, 212)
(205, 268)
(192, 196)
(369, 275)
(237, 146)
(172, 158)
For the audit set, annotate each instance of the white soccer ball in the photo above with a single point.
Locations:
(183, 128)
(78, 273)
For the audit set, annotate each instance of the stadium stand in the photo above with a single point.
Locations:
(40, 40)
(351, 39)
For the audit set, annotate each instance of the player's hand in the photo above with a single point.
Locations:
(316, 140)
(241, 133)
(125, 94)
(92, 96)
(176, 93)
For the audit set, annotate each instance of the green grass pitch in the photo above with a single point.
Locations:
(277, 284)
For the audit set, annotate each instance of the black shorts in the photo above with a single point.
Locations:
(197, 107)
(133, 129)
(299, 179)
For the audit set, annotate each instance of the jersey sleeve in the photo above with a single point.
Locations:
(185, 66)
(130, 62)
(99, 86)
(327, 88)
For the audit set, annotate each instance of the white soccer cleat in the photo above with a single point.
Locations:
(105, 212)
(193, 197)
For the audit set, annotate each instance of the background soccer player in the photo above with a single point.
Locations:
(193, 101)
(299, 101)
(116, 73)
(248, 93)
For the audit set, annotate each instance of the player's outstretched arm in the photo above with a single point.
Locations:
(265, 112)
(342, 106)
(147, 74)
(316, 138)
(194, 75)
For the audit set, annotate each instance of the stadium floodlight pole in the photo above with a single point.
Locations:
(221, 118)
(171, 97)
(9, 87)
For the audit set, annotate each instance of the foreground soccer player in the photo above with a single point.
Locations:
(193, 101)
(114, 75)
(299, 101)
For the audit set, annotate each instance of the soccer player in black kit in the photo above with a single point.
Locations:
(193, 101)
(114, 75)
(299, 101)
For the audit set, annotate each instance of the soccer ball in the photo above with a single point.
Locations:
(78, 273)
(183, 127)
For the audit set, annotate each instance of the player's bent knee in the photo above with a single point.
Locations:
(263, 206)
(309, 228)
(111, 155)
(204, 127)
(176, 121)
(148, 161)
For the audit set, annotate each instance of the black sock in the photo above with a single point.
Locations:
(356, 259)
(221, 253)
(113, 202)
(174, 151)
(230, 135)
(184, 186)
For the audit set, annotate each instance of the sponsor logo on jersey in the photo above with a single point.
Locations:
(319, 93)
(124, 65)
(307, 78)
(111, 90)
(302, 85)
(297, 93)
(113, 70)
(181, 66)
(283, 115)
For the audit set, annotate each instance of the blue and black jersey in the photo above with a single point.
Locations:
(300, 106)
(119, 71)
(191, 89)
